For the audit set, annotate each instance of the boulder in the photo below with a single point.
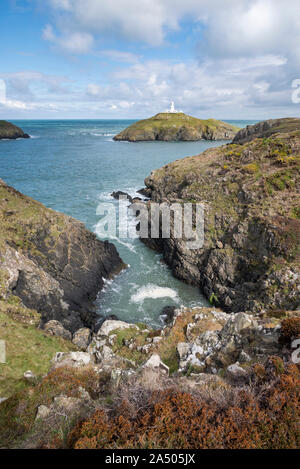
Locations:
(54, 327)
(111, 325)
(71, 359)
(235, 372)
(156, 364)
(82, 338)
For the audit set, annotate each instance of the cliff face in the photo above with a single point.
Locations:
(11, 131)
(250, 258)
(266, 129)
(172, 127)
(50, 261)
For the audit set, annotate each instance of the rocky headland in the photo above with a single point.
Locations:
(11, 131)
(177, 127)
(250, 193)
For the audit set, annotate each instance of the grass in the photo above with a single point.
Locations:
(172, 122)
(21, 216)
(27, 348)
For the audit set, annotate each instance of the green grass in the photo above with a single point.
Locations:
(170, 123)
(27, 348)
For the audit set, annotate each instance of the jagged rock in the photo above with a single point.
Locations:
(82, 338)
(111, 325)
(155, 363)
(71, 359)
(117, 194)
(167, 314)
(240, 338)
(56, 328)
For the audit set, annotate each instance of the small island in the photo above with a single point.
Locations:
(173, 125)
(11, 131)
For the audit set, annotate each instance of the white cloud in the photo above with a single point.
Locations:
(74, 43)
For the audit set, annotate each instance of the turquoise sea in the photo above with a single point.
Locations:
(74, 165)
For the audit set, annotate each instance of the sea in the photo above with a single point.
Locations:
(73, 166)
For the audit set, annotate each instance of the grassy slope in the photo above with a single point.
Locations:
(27, 347)
(20, 216)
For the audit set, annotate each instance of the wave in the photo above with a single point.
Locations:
(153, 292)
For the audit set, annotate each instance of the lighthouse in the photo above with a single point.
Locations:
(172, 109)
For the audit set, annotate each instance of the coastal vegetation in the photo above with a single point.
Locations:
(178, 126)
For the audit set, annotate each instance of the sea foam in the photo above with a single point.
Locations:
(154, 292)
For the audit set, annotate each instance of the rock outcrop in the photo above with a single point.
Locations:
(50, 261)
(11, 131)
(250, 195)
(266, 128)
(173, 127)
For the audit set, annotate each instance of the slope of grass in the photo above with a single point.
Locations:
(27, 347)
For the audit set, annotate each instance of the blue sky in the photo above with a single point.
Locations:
(227, 59)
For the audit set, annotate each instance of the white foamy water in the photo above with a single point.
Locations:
(153, 292)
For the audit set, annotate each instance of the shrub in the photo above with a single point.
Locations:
(290, 330)
(265, 415)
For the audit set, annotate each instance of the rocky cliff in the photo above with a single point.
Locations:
(11, 131)
(250, 192)
(50, 261)
(172, 127)
(267, 128)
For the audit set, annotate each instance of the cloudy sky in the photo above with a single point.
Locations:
(229, 59)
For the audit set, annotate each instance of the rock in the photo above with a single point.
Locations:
(117, 194)
(112, 325)
(11, 131)
(167, 314)
(82, 338)
(238, 323)
(43, 412)
(171, 127)
(3, 399)
(29, 376)
(236, 372)
(156, 364)
(266, 129)
(56, 328)
(183, 350)
(71, 359)
(54, 265)
(249, 260)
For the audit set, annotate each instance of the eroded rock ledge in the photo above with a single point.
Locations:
(50, 261)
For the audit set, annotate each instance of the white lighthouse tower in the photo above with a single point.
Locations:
(172, 109)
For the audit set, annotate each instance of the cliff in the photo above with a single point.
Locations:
(11, 131)
(267, 128)
(250, 258)
(174, 127)
(50, 261)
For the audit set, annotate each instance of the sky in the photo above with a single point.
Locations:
(119, 59)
